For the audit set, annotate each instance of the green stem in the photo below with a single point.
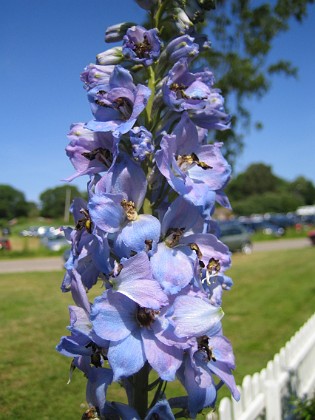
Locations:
(158, 14)
(140, 381)
(151, 85)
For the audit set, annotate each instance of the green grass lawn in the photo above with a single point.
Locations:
(273, 295)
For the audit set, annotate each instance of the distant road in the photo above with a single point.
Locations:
(56, 263)
(281, 244)
(31, 264)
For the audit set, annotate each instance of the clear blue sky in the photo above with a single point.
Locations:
(45, 44)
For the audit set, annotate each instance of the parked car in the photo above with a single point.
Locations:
(236, 237)
(55, 240)
(264, 226)
(5, 244)
(31, 231)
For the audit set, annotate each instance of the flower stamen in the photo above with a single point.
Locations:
(130, 209)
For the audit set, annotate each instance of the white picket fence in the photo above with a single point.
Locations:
(265, 394)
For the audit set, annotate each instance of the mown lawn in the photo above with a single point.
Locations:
(273, 295)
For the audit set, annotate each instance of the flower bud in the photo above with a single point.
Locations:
(182, 21)
(115, 33)
(182, 46)
(141, 140)
(111, 56)
(95, 75)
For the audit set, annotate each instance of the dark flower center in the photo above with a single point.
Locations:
(203, 345)
(130, 209)
(142, 49)
(123, 105)
(101, 98)
(194, 247)
(85, 222)
(179, 89)
(185, 162)
(146, 316)
(90, 414)
(173, 236)
(97, 355)
(213, 266)
(104, 156)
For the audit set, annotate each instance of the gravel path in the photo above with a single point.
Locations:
(56, 263)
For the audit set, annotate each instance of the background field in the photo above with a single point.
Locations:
(273, 295)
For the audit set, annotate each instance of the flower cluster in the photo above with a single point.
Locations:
(146, 231)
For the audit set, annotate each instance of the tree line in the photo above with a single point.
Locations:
(52, 202)
(256, 190)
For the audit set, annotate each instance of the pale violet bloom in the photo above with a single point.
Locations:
(127, 322)
(90, 152)
(141, 45)
(194, 92)
(117, 104)
(114, 208)
(196, 172)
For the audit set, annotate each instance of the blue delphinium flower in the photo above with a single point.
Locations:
(117, 104)
(141, 45)
(194, 92)
(90, 152)
(194, 171)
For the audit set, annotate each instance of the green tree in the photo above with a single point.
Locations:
(303, 188)
(257, 179)
(12, 203)
(268, 202)
(54, 200)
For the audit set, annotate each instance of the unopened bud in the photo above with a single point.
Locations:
(111, 56)
(115, 33)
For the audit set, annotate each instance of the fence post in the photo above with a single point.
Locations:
(273, 400)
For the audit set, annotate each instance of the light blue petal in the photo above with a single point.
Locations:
(180, 214)
(164, 360)
(172, 267)
(96, 388)
(198, 397)
(194, 317)
(126, 357)
(160, 410)
(113, 318)
(135, 281)
(135, 233)
(106, 211)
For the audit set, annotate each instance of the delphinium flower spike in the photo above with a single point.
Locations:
(146, 235)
